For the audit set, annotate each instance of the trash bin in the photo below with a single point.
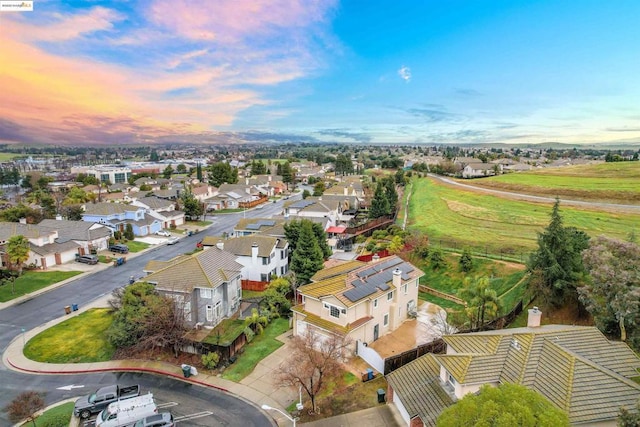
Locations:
(369, 374)
(74, 307)
(186, 370)
(193, 371)
(67, 309)
(381, 394)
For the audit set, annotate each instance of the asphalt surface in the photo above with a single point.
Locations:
(40, 309)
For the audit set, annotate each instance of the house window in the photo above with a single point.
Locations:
(206, 293)
(375, 303)
(265, 261)
(335, 312)
(452, 380)
(239, 293)
(282, 254)
(218, 309)
(385, 321)
(209, 313)
(405, 288)
(264, 277)
(390, 296)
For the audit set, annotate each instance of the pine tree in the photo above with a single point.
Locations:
(307, 257)
(380, 204)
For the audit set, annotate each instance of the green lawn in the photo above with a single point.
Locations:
(79, 339)
(58, 416)
(261, 346)
(603, 182)
(452, 217)
(224, 211)
(135, 246)
(200, 223)
(443, 303)
(31, 281)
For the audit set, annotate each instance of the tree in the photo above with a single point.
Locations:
(379, 204)
(505, 405)
(154, 156)
(17, 250)
(306, 193)
(628, 418)
(25, 406)
(258, 168)
(288, 174)
(292, 233)
(221, 173)
(191, 206)
(307, 257)
(314, 362)
(128, 232)
(400, 178)
(256, 321)
(72, 212)
(318, 189)
(75, 196)
(167, 172)
(390, 193)
(343, 165)
(466, 261)
(482, 301)
(612, 295)
(181, 168)
(199, 172)
(556, 266)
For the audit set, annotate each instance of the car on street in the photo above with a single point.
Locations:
(163, 419)
(123, 249)
(87, 259)
(163, 233)
(172, 240)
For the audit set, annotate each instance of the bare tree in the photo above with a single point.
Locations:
(314, 360)
(25, 407)
(165, 327)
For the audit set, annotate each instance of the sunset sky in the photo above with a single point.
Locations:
(415, 71)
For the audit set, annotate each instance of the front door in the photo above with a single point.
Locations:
(375, 332)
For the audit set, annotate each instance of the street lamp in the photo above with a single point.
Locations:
(289, 417)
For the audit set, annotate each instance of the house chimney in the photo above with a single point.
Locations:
(220, 245)
(534, 318)
(375, 258)
(254, 253)
(397, 278)
(58, 217)
(346, 191)
(246, 181)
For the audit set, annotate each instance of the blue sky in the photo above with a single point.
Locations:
(437, 72)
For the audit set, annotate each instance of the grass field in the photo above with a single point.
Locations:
(57, 416)
(80, 339)
(5, 157)
(605, 182)
(261, 346)
(32, 281)
(454, 217)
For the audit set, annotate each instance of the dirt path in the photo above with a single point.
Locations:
(615, 207)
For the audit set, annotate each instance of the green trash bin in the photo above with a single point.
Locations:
(381, 394)
(186, 370)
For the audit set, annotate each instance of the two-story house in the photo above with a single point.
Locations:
(162, 209)
(360, 301)
(205, 286)
(117, 215)
(262, 257)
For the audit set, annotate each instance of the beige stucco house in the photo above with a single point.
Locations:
(360, 301)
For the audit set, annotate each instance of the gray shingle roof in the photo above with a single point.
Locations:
(74, 230)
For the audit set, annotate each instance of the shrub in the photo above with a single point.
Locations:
(436, 258)
(466, 261)
(172, 226)
(210, 360)
(248, 332)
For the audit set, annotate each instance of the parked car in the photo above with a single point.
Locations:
(172, 240)
(101, 398)
(122, 249)
(87, 259)
(163, 233)
(163, 419)
(126, 412)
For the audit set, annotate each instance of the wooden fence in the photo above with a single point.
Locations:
(254, 285)
(394, 362)
(442, 295)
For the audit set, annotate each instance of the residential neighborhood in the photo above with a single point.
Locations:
(322, 252)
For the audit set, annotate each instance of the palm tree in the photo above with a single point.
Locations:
(18, 251)
(481, 299)
(256, 321)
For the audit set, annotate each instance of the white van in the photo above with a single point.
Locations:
(124, 413)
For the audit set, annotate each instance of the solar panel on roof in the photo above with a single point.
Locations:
(253, 227)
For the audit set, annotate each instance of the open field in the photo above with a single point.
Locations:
(454, 217)
(31, 281)
(5, 157)
(605, 182)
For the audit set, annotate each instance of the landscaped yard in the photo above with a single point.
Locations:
(261, 346)
(79, 339)
(31, 281)
(57, 416)
(135, 246)
(457, 218)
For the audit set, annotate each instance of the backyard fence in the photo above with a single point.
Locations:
(394, 362)
(442, 295)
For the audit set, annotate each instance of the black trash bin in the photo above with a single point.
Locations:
(381, 394)
(186, 370)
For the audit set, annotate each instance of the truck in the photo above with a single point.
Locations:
(124, 413)
(96, 402)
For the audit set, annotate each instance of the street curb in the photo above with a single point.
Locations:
(143, 370)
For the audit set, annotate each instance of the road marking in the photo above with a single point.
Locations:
(167, 405)
(193, 416)
(69, 387)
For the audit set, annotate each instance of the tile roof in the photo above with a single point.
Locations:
(417, 384)
(242, 246)
(155, 202)
(575, 367)
(52, 248)
(337, 270)
(206, 269)
(30, 231)
(109, 208)
(367, 281)
(75, 230)
(328, 325)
